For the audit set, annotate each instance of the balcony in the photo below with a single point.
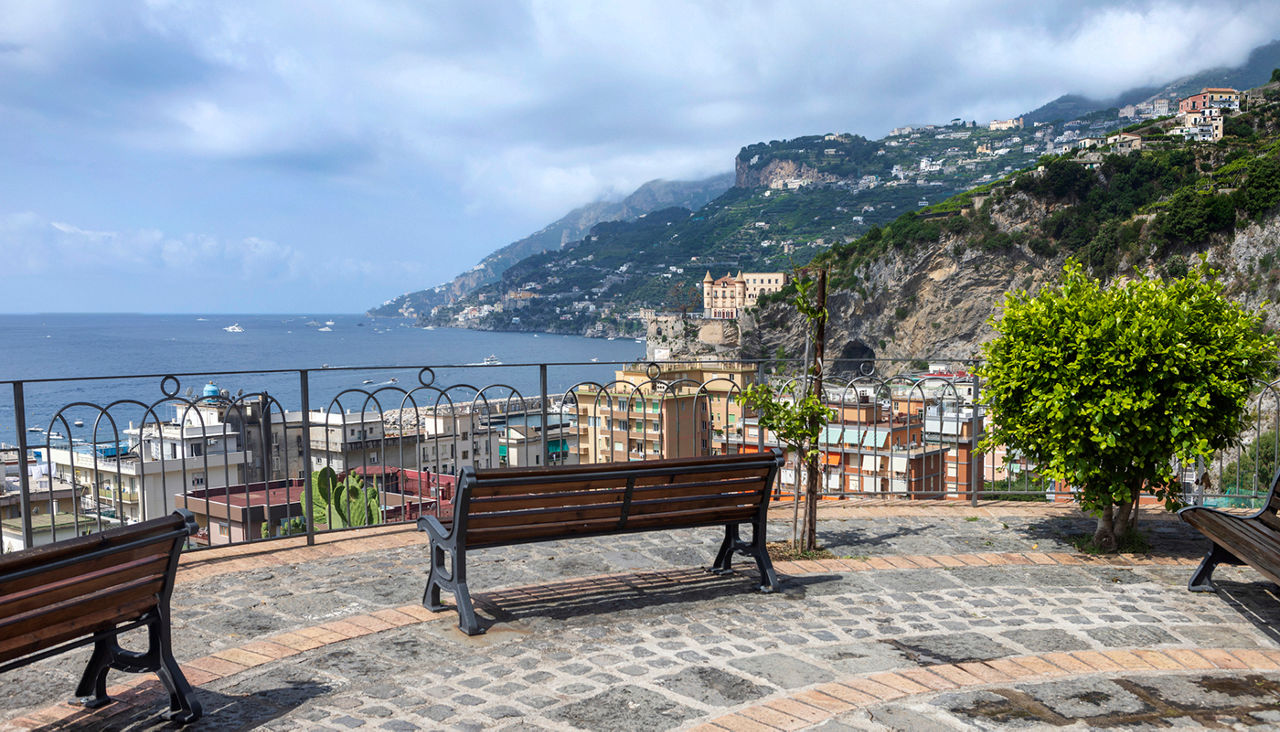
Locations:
(327, 629)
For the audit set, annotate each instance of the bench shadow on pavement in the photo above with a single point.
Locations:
(143, 709)
(636, 590)
(1257, 601)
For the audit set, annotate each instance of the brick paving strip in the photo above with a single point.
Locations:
(823, 702)
(146, 691)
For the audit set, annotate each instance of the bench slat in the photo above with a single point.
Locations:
(487, 488)
(159, 548)
(481, 506)
(80, 545)
(542, 517)
(51, 593)
(753, 460)
(74, 618)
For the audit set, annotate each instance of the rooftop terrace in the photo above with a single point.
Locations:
(939, 616)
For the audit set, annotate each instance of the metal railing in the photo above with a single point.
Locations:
(140, 445)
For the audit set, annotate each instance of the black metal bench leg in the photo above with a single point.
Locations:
(183, 705)
(724, 558)
(1202, 580)
(768, 580)
(92, 690)
(462, 596)
(431, 596)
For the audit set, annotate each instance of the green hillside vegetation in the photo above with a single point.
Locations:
(1157, 204)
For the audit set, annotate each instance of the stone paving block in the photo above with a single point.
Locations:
(825, 702)
(625, 708)
(952, 647)
(1127, 660)
(874, 689)
(741, 723)
(984, 671)
(244, 657)
(368, 621)
(1037, 665)
(846, 693)
(215, 665)
(773, 718)
(956, 675)
(1158, 660)
(1068, 663)
(785, 671)
(1097, 661)
(1189, 658)
(927, 678)
(1221, 658)
(714, 686)
(898, 682)
(1086, 697)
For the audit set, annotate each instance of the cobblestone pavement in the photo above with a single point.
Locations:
(937, 619)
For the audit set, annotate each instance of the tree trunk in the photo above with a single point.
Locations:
(1104, 537)
(1114, 523)
(819, 353)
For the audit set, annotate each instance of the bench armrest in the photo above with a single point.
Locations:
(433, 527)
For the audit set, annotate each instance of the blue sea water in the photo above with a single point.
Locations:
(81, 348)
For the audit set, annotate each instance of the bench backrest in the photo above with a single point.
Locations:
(61, 591)
(510, 506)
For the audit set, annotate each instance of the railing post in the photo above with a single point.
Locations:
(305, 395)
(976, 459)
(24, 480)
(546, 439)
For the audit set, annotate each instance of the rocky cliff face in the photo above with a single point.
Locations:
(936, 303)
(775, 172)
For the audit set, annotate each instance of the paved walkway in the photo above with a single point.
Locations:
(936, 617)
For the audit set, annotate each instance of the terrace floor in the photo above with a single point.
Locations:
(940, 617)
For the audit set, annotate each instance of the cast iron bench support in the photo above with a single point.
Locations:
(89, 590)
(516, 506)
(1253, 540)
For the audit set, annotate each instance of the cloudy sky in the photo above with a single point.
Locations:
(169, 156)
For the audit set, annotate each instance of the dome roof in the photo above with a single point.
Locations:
(210, 390)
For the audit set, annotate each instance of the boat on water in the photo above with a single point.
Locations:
(367, 381)
(328, 322)
(311, 323)
(78, 423)
(326, 329)
(491, 360)
(35, 429)
(234, 328)
(429, 327)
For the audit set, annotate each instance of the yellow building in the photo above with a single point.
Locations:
(662, 410)
(723, 298)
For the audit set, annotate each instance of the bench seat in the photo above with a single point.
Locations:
(519, 505)
(1237, 539)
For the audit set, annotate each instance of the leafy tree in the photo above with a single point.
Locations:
(1275, 75)
(1102, 388)
(345, 503)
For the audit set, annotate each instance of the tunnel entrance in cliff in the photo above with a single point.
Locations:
(854, 358)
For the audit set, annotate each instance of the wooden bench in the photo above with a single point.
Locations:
(89, 590)
(1253, 540)
(519, 505)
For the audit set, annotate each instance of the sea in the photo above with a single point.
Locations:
(97, 359)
